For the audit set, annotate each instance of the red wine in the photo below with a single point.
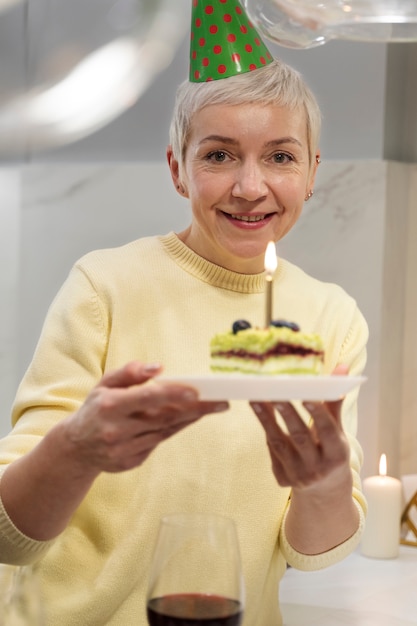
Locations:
(194, 610)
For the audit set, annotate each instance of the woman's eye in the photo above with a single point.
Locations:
(281, 157)
(217, 155)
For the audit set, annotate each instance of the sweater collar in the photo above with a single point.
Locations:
(208, 272)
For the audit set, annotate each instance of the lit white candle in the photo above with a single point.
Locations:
(271, 264)
(381, 537)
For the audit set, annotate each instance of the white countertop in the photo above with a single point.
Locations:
(358, 591)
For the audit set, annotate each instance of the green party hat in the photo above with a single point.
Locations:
(224, 41)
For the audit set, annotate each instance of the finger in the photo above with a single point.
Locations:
(287, 466)
(148, 398)
(330, 435)
(175, 419)
(279, 470)
(279, 442)
(322, 411)
(265, 413)
(301, 435)
(132, 373)
(323, 419)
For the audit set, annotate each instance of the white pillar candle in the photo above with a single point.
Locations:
(381, 537)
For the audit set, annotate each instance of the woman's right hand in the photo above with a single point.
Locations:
(123, 419)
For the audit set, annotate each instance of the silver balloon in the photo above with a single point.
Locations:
(310, 23)
(84, 62)
(283, 28)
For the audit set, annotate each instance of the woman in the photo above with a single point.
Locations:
(97, 456)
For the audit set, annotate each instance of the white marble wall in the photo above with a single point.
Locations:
(358, 230)
(10, 206)
(408, 438)
(68, 210)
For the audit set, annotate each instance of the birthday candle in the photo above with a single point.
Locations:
(271, 263)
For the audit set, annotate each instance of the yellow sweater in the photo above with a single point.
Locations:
(155, 300)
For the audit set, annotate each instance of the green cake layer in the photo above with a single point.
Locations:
(267, 351)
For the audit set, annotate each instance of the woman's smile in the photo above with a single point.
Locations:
(248, 220)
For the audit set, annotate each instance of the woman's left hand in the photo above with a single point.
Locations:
(305, 455)
(314, 462)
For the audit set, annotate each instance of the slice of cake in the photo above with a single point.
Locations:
(279, 349)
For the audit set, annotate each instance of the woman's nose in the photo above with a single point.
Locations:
(250, 182)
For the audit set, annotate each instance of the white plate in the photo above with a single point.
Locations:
(250, 387)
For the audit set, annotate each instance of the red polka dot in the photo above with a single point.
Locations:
(231, 37)
(250, 24)
(192, 36)
(202, 42)
(248, 48)
(205, 62)
(243, 29)
(194, 55)
(196, 74)
(213, 29)
(221, 69)
(258, 43)
(198, 22)
(195, 2)
(252, 67)
(209, 9)
(263, 60)
(269, 55)
(227, 17)
(239, 10)
(209, 79)
(217, 49)
(223, 1)
(235, 57)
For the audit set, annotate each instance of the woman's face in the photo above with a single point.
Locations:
(246, 173)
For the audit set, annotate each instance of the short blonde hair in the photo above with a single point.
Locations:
(276, 83)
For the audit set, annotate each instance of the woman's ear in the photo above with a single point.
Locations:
(174, 168)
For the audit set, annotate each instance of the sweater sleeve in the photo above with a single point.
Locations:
(353, 354)
(15, 547)
(73, 343)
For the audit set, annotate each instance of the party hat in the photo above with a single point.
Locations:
(224, 41)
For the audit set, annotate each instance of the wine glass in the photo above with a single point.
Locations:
(196, 575)
(20, 597)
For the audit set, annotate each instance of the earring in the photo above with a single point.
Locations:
(180, 188)
(318, 159)
(308, 196)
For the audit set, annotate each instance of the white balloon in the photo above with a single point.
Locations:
(80, 87)
(310, 23)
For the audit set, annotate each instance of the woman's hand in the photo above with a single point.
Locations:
(314, 461)
(305, 455)
(123, 419)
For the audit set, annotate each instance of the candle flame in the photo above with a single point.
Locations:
(383, 465)
(271, 261)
